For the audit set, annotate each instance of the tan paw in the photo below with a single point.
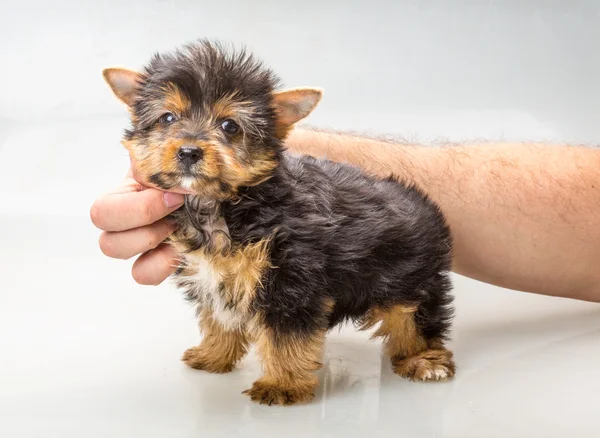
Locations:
(428, 365)
(200, 358)
(285, 395)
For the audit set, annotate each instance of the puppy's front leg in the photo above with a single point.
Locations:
(220, 348)
(288, 361)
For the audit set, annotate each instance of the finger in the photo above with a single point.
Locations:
(153, 267)
(129, 185)
(124, 211)
(126, 244)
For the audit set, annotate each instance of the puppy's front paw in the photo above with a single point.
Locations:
(270, 393)
(201, 358)
(428, 365)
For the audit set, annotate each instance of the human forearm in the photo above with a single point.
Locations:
(523, 216)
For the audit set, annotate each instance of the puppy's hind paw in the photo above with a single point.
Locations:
(430, 365)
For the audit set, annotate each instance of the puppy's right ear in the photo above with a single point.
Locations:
(123, 83)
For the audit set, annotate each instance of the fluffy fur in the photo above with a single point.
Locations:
(277, 249)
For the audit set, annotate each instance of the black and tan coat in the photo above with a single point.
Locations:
(277, 249)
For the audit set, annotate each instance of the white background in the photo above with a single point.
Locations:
(85, 352)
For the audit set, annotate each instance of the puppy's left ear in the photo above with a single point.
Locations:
(123, 83)
(293, 105)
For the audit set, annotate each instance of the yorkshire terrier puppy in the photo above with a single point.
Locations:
(277, 249)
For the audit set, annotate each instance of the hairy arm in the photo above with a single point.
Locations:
(524, 216)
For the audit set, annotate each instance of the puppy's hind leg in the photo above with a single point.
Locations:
(414, 338)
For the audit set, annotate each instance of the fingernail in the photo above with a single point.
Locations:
(172, 199)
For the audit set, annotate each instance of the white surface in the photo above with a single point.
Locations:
(87, 353)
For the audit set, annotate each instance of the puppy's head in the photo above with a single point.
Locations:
(207, 120)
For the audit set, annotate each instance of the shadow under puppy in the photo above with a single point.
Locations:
(277, 249)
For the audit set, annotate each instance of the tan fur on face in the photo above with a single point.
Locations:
(260, 163)
(161, 158)
(176, 101)
(228, 107)
(158, 156)
(220, 349)
(237, 173)
(220, 163)
(227, 162)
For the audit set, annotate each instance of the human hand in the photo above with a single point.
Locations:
(132, 218)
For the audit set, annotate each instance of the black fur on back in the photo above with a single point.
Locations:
(339, 234)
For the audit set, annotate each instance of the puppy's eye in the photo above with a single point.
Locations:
(167, 118)
(230, 127)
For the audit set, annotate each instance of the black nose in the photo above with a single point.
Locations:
(189, 155)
